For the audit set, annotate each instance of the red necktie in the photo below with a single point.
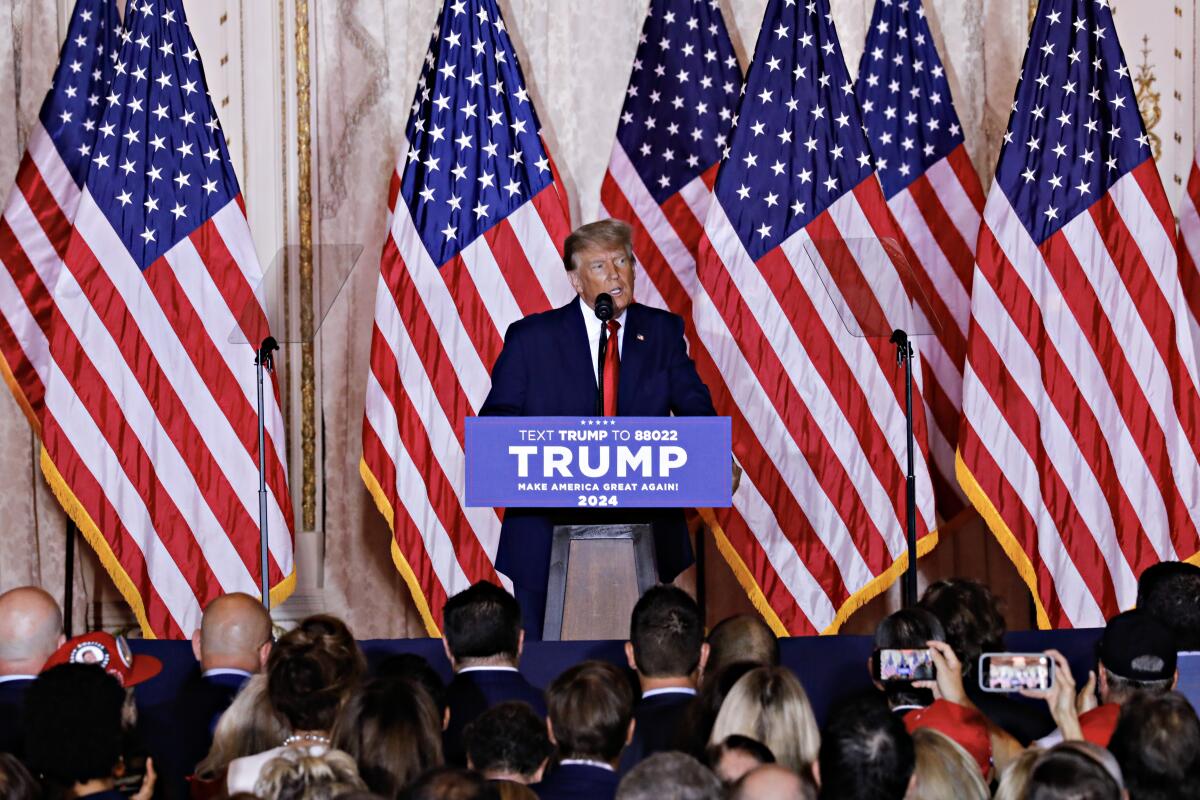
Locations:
(612, 366)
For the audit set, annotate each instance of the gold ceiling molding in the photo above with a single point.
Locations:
(308, 427)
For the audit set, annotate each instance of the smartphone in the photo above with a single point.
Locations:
(1011, 672)
(893, 664)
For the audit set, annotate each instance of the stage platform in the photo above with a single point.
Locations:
(830, 667)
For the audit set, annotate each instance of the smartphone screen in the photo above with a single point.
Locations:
(904, 665)
(1011, 672)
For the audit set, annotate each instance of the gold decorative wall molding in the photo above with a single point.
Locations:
(1148, 100)
(308, 401)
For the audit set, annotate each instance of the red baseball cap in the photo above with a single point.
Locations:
(110, 652)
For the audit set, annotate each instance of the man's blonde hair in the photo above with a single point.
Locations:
(603, 233)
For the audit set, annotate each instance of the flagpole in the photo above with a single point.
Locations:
(904, 355)
(263, 362)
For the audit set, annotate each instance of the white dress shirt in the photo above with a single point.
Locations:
(593, 325)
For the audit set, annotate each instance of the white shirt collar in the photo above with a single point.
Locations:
(593, 325)
(585, 762)
(212, 673)
(10, 678)
(487, 669)
(669, 690)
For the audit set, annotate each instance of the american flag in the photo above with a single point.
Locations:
(478, 220)
(36, 225)
(1081, 417)
(936, 198)
(820, 524)
(150, 428)
(1189, 248)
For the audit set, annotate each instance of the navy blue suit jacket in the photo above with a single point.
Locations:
(12, 704)
(545, 369)
(578, 782)
(472, 693)
(658, 726)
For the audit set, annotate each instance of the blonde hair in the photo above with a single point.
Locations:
(250, 725)
(944, 770)
(769, 704)
(1015, 778)
(297, 774)
(603, 233)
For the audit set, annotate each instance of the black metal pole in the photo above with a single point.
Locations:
(904, 355)
(600, 370)
(263, 361)
(69, 579)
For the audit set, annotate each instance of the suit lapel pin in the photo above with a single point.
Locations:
(641, 338)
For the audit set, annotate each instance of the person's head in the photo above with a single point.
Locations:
(772, 782)
(906, 629)
(1074, 771)
(482, 626)
(508, 742)
(1014, 780)
(666, 636)
(1170, 592)
(744, 637)
(297, 774)
(250, 725)
(1136, 653)
(590, 712)
(670, 776)
(15, 781)
(1157, 744)
(768, 704)
(970, 616)
(413, 667)
(235, 633)
(945, 771)
(701, 715)
(866, 752)
(73, 725)
(450, 783)
(31, 629)
(599, 258)
(737, 755)
(393, 730)
(312, 670)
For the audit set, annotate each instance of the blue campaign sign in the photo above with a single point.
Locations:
(599, 462)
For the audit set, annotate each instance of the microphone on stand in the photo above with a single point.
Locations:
(603, 306)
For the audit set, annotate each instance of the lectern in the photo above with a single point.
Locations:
(578, 468)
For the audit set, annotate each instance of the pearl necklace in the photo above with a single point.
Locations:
(315, 738)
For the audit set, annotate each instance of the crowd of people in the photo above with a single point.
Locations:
(698, 716)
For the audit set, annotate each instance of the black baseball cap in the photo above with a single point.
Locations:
(1137, 646)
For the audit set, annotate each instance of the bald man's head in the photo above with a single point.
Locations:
(234, 634)
(772, 782)
(31, 629)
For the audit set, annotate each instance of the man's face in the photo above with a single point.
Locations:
(603, 269)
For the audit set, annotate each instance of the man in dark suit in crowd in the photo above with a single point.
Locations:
(31, 629)
(481, 630)
(590, 721)
(232, 643)
(550, 366)
(667, 649)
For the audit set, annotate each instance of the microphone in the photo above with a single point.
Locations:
(603, 306)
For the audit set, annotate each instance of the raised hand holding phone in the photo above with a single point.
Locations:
(1060, 697)
(948, 683)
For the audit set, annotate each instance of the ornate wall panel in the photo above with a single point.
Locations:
(313, 96)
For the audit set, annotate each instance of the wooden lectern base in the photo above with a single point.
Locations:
(597, 574)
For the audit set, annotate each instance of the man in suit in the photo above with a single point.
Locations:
(550, 366)
(590, 722)
(667, 649)
(31, 629)
(231, 644)
(481, 632)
